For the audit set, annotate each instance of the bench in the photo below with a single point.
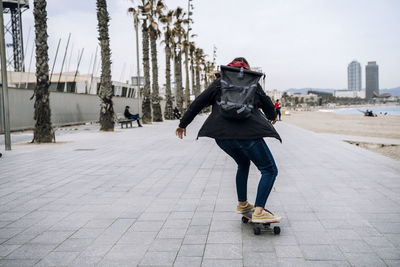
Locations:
(120, 118)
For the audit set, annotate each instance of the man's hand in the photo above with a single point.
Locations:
(180, 132)
(273, 122)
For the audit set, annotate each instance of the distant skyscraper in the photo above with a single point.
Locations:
(371, 79)
(354, 76)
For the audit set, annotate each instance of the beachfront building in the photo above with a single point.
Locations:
(274, 94)
(70, 82)
(354, 76)
(371, 80)
(349, 94)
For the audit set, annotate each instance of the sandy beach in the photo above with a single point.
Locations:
(384, 128)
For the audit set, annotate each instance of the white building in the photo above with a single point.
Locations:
(274, 94)
(70, 83)
(354, 76)
(348, 93)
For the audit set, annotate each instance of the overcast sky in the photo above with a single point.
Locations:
(297, 43)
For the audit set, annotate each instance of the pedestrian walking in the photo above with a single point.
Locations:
(278, 108)
(239, 129)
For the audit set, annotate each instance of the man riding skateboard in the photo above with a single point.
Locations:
(238, 127)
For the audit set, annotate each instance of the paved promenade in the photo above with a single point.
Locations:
(142, 197)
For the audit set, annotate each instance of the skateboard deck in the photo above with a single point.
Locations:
(259, 226)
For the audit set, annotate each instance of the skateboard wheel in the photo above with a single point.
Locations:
(245, 220)
(277, 230)
(256, 230)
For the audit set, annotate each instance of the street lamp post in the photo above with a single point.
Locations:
(4, 82)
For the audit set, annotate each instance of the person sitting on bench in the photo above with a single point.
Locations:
(177, 114)
(130, 116)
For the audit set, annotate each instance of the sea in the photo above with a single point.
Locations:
(379, 110)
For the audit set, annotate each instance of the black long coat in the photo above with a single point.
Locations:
(216, 126)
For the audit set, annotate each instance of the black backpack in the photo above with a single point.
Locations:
(238, 88)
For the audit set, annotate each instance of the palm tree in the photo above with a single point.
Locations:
(178, 33)
(43, 132)
(192, 48)
(144, 9)
(155, 13)
(208, 68)
(168, 39)
(106, 90)
(199, 55)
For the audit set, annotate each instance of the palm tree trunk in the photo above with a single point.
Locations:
(187, 90)
(198, 79)
(146, 104)
(168, 114)
(106, 90)
(43, 132)
(157, 113)
(179, 82)
(193, 77)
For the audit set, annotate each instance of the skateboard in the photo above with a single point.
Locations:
(258, 227)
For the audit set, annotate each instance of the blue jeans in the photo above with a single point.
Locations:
(257, 151)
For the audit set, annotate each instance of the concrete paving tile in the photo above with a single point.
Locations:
(58, 259)
(394, 238)
(7, 249)
(51, 237)
(6, 233)
(74, 245)
(187, 261)
(364, 259)
(177, 223)
(118, 263)
(388, 253)
(191, 251)
(99, 223)
(195, 239)
(153, 216)
(31, 251)
(378, 242)
(260, 259)
(158, 259)
(225, 226)
(343, 234)
(96, 250)
(223, 251)
(144, 238)
(387, 228)
(392, 263)
(224, 237)
(353, 246)
(313, 238)
(126, 251)
(181, 215)
(288, 252)
(166, 244)
(198, 230)
(20, 239)
(221, 263)
(17, 263)
(321, 252)
(147, 226)
(318, 263)
(85, 261)
(172, 233)
(88, 233)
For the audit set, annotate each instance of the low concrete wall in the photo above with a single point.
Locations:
(66, 108)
